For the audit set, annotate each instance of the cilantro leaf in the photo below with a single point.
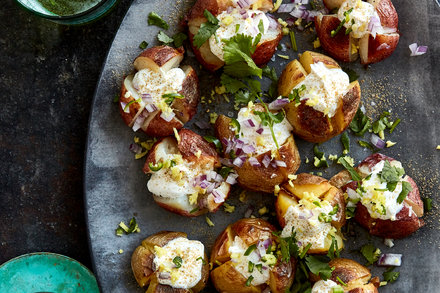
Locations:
(334, 249)
(366, 144)
(271, 73)
(390, 276)
(164, 38)
(390, 173)
(155, 19)
(352, 75)
(206, 29)
(301, 283)
(354, 175)
(318, 265)
(143, 45)
(427, 203)
(345, 140)
(406, 188)
(237, 53)
(370, 253)
(232, 85)
(360, 123)
(179, 38)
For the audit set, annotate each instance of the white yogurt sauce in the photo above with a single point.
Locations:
(262, 142)
(324, 88)
(359, 18)
(190, 272)
(234, 23)
(324, 286)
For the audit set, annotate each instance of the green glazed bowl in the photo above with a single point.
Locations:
(46, 272)
(69, 12)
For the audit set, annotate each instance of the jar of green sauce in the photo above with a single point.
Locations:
(70, 12)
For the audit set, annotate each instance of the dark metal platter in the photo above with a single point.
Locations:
(115, 186)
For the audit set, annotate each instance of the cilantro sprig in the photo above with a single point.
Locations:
(270, 119)
(207, 29)
(132, 227)
(370, 253)
(155, 19)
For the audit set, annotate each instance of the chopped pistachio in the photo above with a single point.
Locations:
(332, 157)
(276, 189)
(292, 176)
(229, 208)
(390, 143)
(263, 210)
(209, 222)
(307, 160)
(121, 251)
(316, 43)
(213, 118)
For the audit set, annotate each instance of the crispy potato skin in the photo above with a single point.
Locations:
(188, 146)
(321, 187)
(405, 224)
(195, 18)
(142, 264)
(162, 58)
(356, 276)
(371, 50)
(261, 178)
(308, 123)
(227, 279)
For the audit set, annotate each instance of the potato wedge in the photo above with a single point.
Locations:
(309, 194)
(145, 272)
(172, 182)
(308, 123)
(227, 275)
(134, 109)
(407, 220)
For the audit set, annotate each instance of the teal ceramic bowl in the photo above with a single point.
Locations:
(46, 272)
(69, 12)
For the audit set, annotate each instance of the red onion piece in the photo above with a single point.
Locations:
(210, 187)
(417, 50)
(147, 98)
(248, 149)
(266, 161)
(249, 123)
(167, 117)
(278, 104)
(204, 184)
(383, 46)
(286, 8)
(231, 179)
(125, 108)
(254, 162)
(280, 163)
(138, 122)
(260, 130)
(150, 108)
(374, 26)
(351, 193)
(273, 24)
(219, 196)
(135, 148)
(238, 162)
(164, 275)
(203, 125)
(390, 259)
(377, 141)
(229, 9)
(226, 162)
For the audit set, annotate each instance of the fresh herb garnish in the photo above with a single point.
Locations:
(132, 227)
(202, 259)
(320, 160)
(259, 267)
(269, 119)
(345, 140)
(340, 281)
(337, 289)
(427, 203)
(155, 19)
(360, 123)
(194, 210)
(370, 253)
(237, 55)
(155, 167)
(215, 141)
(390, 276)
(293, 41)
(249, 281)
(206, 30)
(318, 265)
(334, 249)
(250, 249)
(250, 267)
(170, 97)
(354, 175)
(352, 75)
(327, 218)
(366, 144)
(164, 38)
(304, 251)
(179, 38)
(295, 95)
(177, 261)
(224, 171)
(143, 45)
(406, 188)
(271, 73)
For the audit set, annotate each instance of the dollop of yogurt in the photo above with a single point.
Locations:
(191, 254)
(237, 21)
(324, 286)
(357, 15)
(323, 88)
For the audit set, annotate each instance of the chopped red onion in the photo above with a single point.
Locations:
(267, 242)
(374, 26)
(249, 123)
(125, 108)
(239, 162)
(138, 122)
(254, 162)
(211, 175)
(260, 130)
(203, 125)
(280, 163)
(260, 249)
(147, 98)
(266, 161)
(226, 162)
(273, 24)
(248, 149)
(164, 275)
(390, 259)
(232, 178)
(388, 242)
(383, 46)
(278, 104)
(417, 50)
(151, 108)
(351, 193)
(204, 184)
(135, 148)
(218, 178)
(229, 9)
(286, 8)
(305, 216)
(377, 141)
(168, 117)
(210, 187)
(219, 196)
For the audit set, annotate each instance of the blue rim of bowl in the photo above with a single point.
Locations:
(95, 12)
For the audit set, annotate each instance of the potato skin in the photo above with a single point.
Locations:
(356, 276)
(227, 279)
(308, 123)
(405, 224)
(188, 146)
(162, 58)
(195, 18)
(305, 182)
(261, 178)
(142, 264)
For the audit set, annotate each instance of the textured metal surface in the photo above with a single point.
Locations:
(115, 186)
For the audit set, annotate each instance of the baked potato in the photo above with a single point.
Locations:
(355, 278)
(183, 177)
(169, 262)
(382, 206)
(360, 28)
(160, 96)
(251, 151)
(245, 259)
(234, 17)
(314, 210)
(317, 117)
